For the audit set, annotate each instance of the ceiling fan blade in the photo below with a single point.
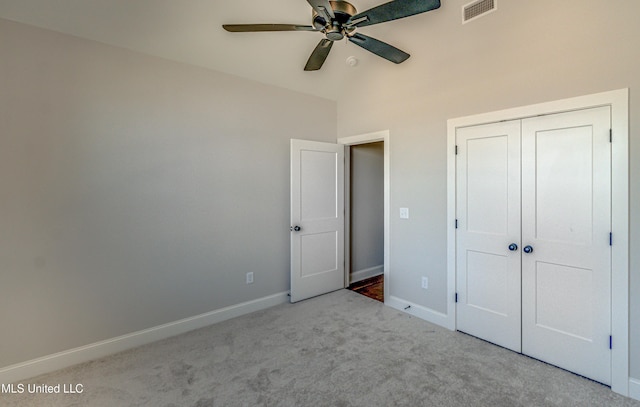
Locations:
(323, 8)
(319, 55)
(240, 28)
(380, 48)
(392, 11)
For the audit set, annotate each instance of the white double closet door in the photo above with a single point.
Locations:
(533, 252)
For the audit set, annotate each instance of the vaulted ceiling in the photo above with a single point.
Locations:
(190, 31)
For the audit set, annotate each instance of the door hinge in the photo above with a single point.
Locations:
(456, 297)
(456, 149)
(610, 239)
(610, 135)
(610, 342)
(456, 223)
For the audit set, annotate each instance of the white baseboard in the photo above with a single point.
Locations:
(419, 311)
(634, 388)
(60, 360)
(366, 273)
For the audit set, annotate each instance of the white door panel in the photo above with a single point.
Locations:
(487, 275)
(317, 209)
(551, 177)
(555, 284)
(318, 252)
(318, 193)
(486, 179)
(561, 167)
(566, 219)
(488, 212)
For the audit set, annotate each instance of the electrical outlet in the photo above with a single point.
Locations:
(404, 213)
(250, 277)
(425, 282)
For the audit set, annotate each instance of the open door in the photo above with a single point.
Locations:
(317, 218)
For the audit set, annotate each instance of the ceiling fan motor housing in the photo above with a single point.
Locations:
(335, 29)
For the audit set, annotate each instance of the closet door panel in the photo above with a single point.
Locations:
(488, 213)
(566, 220)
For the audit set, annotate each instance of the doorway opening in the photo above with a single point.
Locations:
(367, 214)
(365, 191)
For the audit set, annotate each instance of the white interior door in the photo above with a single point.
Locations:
(317, 218)
(556, 170)
(566, 220)
(488, 234)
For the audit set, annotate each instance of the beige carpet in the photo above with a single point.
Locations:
(341, 349)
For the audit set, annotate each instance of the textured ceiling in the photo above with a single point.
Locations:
(190, 31)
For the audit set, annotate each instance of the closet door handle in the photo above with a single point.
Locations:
(513, 247)
(528, 249)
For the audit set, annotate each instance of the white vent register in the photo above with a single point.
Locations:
(477, 9)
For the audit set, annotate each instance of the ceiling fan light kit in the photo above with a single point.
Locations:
(337, 20)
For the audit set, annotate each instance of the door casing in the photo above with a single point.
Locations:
(618, 100)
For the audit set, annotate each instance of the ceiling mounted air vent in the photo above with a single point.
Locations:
(477, 9)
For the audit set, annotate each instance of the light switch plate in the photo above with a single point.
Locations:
(404, 213)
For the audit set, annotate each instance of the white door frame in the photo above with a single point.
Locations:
(618, 100)
(364, 139)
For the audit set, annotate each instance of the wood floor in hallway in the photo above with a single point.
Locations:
(372, 287)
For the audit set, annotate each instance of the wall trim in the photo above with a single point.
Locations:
(366, 273)
(60, 360)
(634, 388)
(419, 311)
(618, 101)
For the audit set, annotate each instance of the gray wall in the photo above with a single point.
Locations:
(367, 206)
(123, 187)
(135, 191)
(526, 52)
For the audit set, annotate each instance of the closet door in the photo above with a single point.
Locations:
(488, 216)
(566, 221)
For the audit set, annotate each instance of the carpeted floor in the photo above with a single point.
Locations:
(371, 287)
(340, 349)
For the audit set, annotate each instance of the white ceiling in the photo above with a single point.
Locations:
(190, 31)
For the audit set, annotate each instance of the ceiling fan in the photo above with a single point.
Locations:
(339, 19)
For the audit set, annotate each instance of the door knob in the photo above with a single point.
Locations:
(528, 249)
(513, 247)
(296, 228)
